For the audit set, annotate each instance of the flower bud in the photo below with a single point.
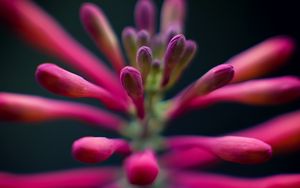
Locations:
(230, 148)
(100, 30)
(173, 13)
(62, 82)
(145, 15)
(141, 168)
(98, 149)
(143, 38)
(132, 82)
(144, 60)
(129, 38)
(262, 58)
(173, 53)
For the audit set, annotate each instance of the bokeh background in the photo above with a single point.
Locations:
(221, 28)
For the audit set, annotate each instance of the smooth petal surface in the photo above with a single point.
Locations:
(76, 178)
(98, 27)
(262, 59)
(145, 15)
(62, 82)
(27, 108)
(98, 149)
(38, 28)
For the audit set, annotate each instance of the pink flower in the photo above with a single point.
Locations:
(157, 61)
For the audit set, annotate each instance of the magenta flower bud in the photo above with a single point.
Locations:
(62, 82)
(158, 46)
(185, 59)
(26, 108)
(210, 81)
(262, 58)
(145, 15)
(97, 25)
(173, 13)
(144, 61)
(143, 38)
(141, 168)
(129, 38)
(38, 28)
(173, 53)
(98, 149)
(230, 148)
(257, 92)
(132, 82)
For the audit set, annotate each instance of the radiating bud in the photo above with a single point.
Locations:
(185, 59)
(129, 38)
(158, 47)
(230, 148)
(144, 61)
(173, 53)
(262, 58)
(213, 79)
(145, 15)
(173, 13)
(62, 82)
(172, 31)
(141, 168)
(98, 149)
(143, 38)
(96, 23)
(132, 82)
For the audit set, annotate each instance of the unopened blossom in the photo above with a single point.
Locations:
(156, 61)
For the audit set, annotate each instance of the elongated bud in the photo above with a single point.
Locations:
(141, 168)
(173, 13)
(26, 108)
(144, 60)
(262, 58)
(129, 38)
(98, 149)
(132, 82)
(38, 28)
(96, 23)
(210, 81)
(187, 55)
(172, 55)
(230, 148)
(257, 92)
(65, 83)
(143, 38)
(158, 46)
(145, 15)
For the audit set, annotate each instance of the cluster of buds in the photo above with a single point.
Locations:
(157, 61)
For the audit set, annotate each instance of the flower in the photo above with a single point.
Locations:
(156, 63)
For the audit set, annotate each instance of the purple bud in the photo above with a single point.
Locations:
(144, 60)
(173, 53)
(132, 82)
(129, 38)
(143, 38)
(145, 13)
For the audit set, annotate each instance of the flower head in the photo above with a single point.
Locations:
(156, 62)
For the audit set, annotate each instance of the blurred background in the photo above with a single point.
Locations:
(221, 29)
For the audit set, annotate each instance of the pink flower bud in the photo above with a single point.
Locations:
(262, 58)
(143, 38)
(65, 83)
(173, 53)
(230, 148)
(38, 28)
(141, 168)
(26, 108)
(173, 13)
(145, 15)
(132, 82)
(98, 149)
(257, 92)
(100, 30)
(129, 38)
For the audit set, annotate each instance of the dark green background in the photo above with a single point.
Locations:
(221, 28)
